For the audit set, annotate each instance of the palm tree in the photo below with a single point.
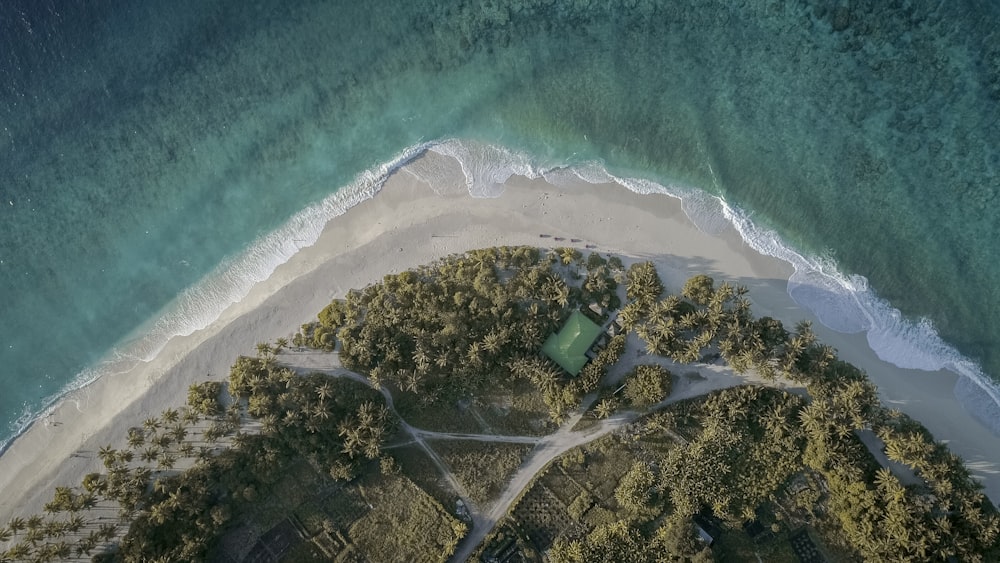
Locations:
(35, 535)
(62, 550)
(483, 259)
(492, 342)
(204, 454)
(441, 359)
(5, 535)
(631, 315)
(372, 449)
(107, 455)
(352, 440)
(85, 546)
(166, 462)
(75, 523)
(136, 437)
(87, 501)
(170, 416)
(605, 408)
(191, 417)
(151, 424)
(324, 391)
(107, 531)
(815, 417)
(269, 424)
(568, 255)
(150, 454)
(280, 344)
(19, 551)
(163, 441)
(264, 350)
(563, 298)
(159, 512)
(16, 524)
(125, 456)
(410, 381)
(179, 432)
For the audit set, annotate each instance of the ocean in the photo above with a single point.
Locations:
(160, 158)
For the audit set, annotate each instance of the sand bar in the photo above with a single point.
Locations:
(407, 224)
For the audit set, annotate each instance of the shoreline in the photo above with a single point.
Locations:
(408, 223)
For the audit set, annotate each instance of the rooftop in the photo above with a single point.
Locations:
(569, 346)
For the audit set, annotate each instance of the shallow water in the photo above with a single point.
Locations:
(147, 147)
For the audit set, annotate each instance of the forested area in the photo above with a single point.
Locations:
(164, 514)
(470, 324)
(750, 441)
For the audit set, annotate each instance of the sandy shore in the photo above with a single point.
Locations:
(408, 224)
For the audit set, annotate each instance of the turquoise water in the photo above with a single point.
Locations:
(158, 157)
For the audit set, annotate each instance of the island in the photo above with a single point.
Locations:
(545, 462)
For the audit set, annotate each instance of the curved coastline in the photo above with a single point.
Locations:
(198, 306)
(435, 195)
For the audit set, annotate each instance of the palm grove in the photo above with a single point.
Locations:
(473, 322)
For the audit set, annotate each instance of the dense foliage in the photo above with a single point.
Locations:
(473, 321)
(646, 385)
(730, 469)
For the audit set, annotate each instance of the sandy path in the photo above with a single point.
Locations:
(477, 437)
(702, 379)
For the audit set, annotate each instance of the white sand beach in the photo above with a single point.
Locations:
(410, 223)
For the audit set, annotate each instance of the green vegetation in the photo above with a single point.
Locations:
(468, 325)
(405, 525)
(482, 467)
(319, 466)
(646, 385)
(203, 398)
(750, 444)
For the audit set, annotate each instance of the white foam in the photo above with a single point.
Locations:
(847, 304)
(486, 167)
(203, 303)
(841, 302)
(844, 303)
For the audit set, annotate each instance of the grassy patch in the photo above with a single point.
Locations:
(482, 467)
(606, 461)
(299, 485)
(405, 524)
(415, 464)
(444, 415)
(517, 411)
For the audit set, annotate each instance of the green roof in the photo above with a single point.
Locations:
(569, 346)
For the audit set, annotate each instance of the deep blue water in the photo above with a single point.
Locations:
(147, 145)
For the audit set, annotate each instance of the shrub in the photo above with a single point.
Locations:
(203, 398)
(647, 385)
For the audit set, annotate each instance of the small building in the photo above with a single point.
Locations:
(706, 529)
(569, 346)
